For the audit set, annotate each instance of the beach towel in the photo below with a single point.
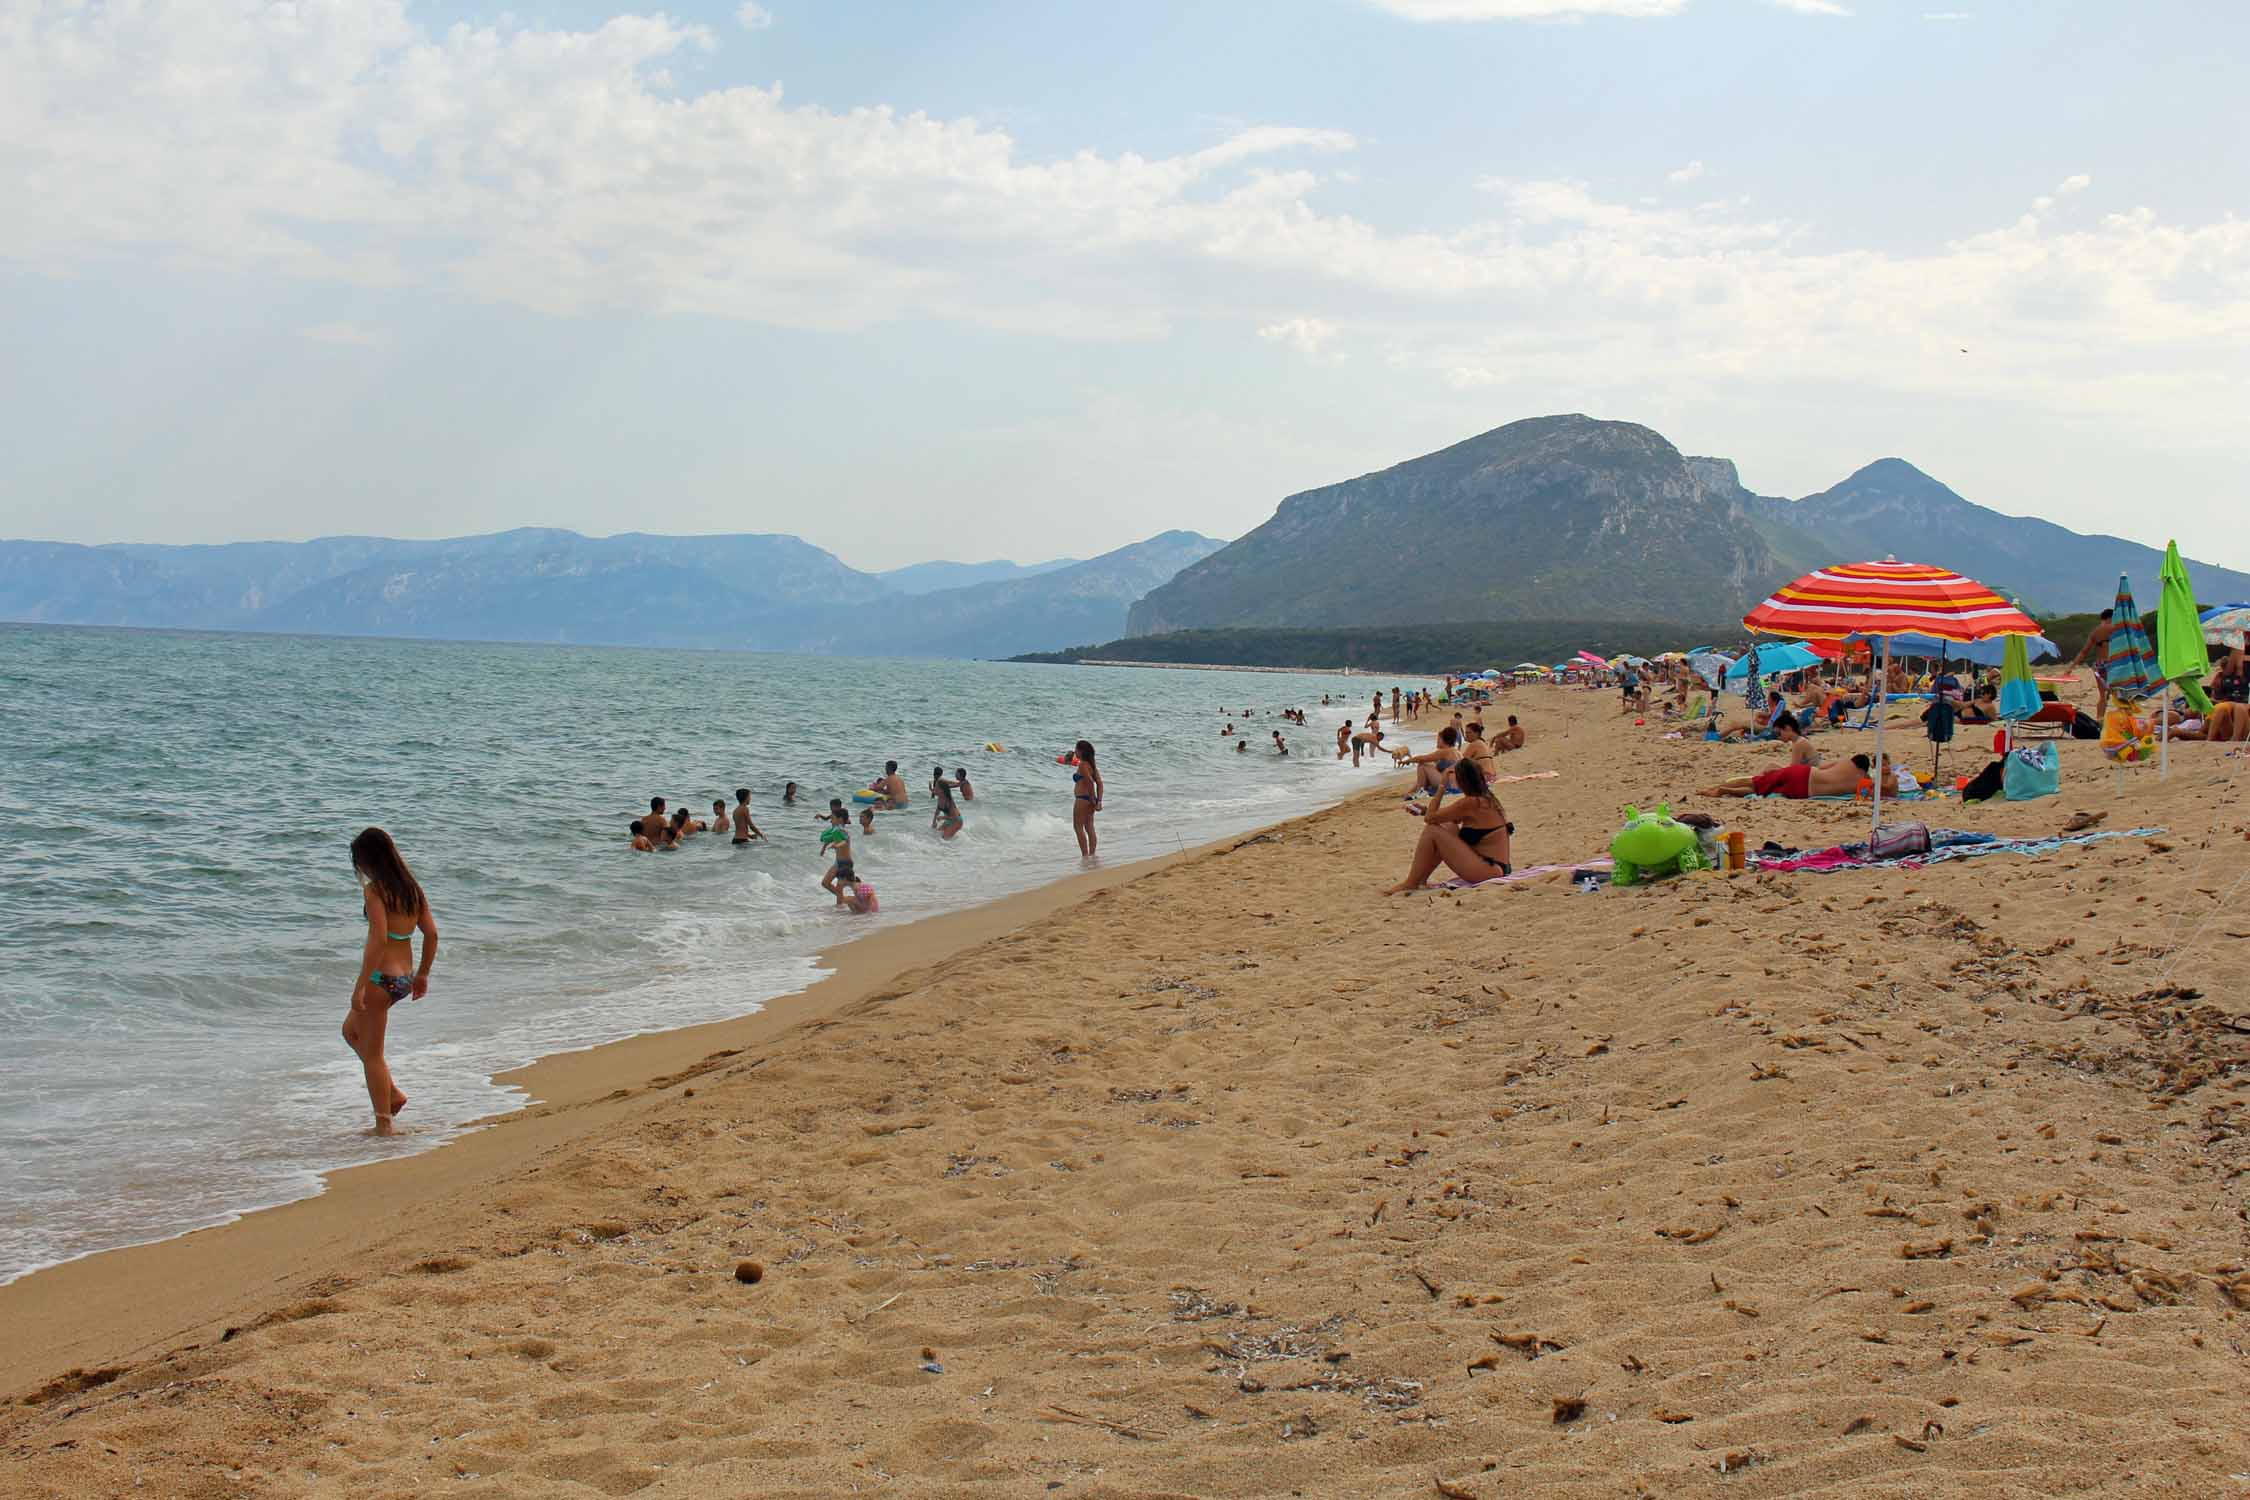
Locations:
(1949, 844)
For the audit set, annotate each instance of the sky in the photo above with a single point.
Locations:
(1034, 280)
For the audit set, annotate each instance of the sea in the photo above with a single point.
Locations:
(180, 923)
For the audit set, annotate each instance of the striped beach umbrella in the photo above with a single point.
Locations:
(2130, 667)
(1885, 599)
(1888, 598)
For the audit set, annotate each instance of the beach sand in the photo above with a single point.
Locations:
(1232, 1178)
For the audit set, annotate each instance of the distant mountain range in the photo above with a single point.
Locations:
(775, 593)
(1569, 517)
(929, 577)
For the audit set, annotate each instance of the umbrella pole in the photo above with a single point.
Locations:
(1882, 704)
(2164, 735)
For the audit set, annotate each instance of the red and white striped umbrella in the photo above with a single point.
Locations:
(1888, 598)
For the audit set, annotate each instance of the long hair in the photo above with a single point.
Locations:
(377, 858)
(1469, 776)
(1086, 753)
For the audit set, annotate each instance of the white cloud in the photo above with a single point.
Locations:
(1688, 173)
(1812, 7)
(344, 333)
(1308, 336)
(1527, 10)
(2077, 182)
(753, 16)
(569, 171)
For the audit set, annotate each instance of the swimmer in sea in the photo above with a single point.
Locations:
(892, 785)
(1242, 747)
(744, 829)
(1280, 745)
(1086, 792)
(946, 817)
(719, 814)
(961, 781)
(392, 899)
(867, 821)
(836, 838)
(789, 794)
(1343, 739)
(641, 844)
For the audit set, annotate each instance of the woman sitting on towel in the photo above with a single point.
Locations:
(1430, 770)
(1835, 778)
(1468, 835)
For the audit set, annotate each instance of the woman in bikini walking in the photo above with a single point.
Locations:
(1086, 799)
(396, 910)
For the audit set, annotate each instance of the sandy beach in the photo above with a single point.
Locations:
(1226, 1176)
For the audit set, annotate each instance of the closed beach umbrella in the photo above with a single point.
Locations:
(2130, 667)
(2227, 625)
(1885, 599)
(1754, 691)
(2180, 657)
(2019, 695)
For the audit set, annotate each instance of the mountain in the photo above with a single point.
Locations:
(1084, 601)
(760, 592)
(1892, 508)
(929, 577)
(1553, 516)
(1573, 518)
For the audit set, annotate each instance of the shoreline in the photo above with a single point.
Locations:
(206, 1277)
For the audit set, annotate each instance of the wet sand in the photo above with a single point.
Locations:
(1230, 1177)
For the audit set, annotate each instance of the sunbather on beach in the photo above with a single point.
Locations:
(1797, 780)
(1468, 835)
(1510, 738)
(1474, 746)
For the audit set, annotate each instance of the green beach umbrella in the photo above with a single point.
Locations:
(2179, 633)
(2130, 667)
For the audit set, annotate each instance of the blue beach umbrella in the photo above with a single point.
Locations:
(1771, 659)
(1986, 653)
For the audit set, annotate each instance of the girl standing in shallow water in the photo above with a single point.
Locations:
(394, 901)
(1086, 798)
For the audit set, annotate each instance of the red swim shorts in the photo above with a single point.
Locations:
(1789, 781)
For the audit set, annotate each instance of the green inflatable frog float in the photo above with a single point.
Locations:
(1653, 845)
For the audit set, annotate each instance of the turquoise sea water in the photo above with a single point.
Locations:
(179, 923)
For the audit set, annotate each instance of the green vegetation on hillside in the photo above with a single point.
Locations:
(1426, 650)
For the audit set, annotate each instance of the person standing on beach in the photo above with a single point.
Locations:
(393, 900)
(1086, 793)
(2097, 645)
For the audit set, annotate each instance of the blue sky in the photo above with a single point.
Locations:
(1040, 279)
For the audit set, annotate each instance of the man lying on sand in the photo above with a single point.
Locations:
(1835, 778)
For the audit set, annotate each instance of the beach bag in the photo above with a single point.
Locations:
(2083, 727)
(2034, 771)
(1986, 784)
(1899, 841)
